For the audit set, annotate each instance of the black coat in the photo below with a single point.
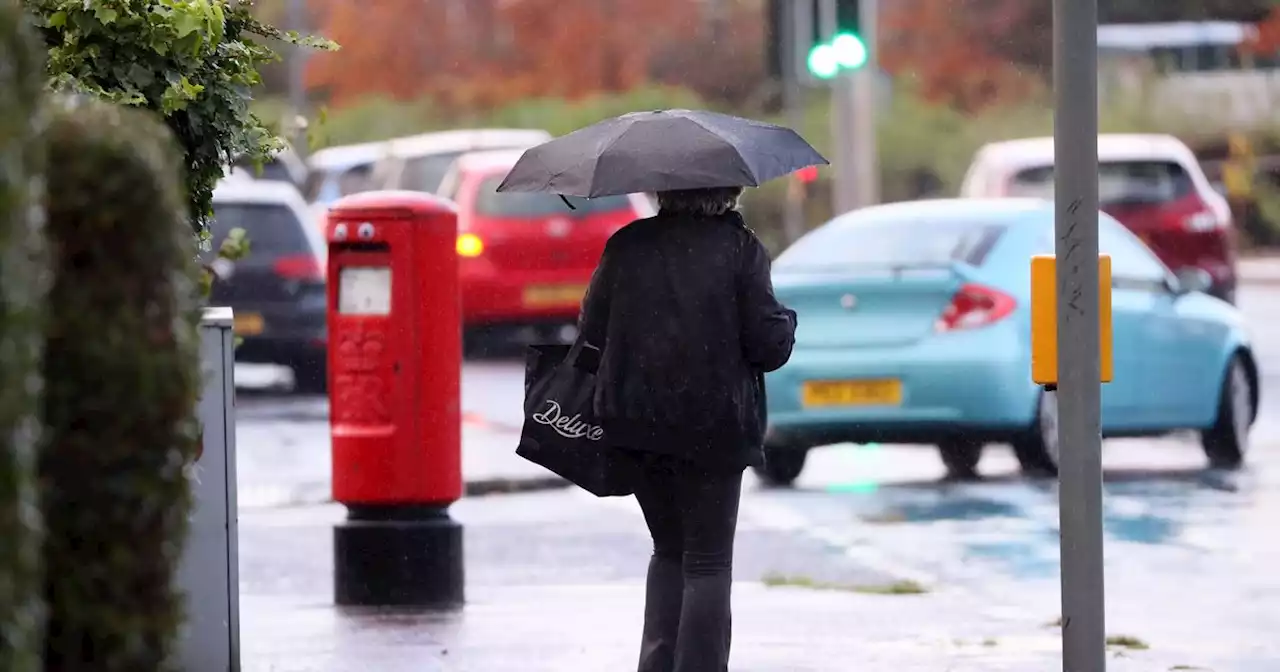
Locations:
(683, 311)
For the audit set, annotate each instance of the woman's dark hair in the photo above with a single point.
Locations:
(699, 202)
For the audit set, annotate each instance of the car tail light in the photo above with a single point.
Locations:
(470, 245)
(975, 306)
(300, 267)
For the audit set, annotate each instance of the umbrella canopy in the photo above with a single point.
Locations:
(660, 151)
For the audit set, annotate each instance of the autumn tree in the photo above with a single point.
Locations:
(958, 52)
(484, 53)
(392, 47)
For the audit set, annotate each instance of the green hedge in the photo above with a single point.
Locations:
(23, 281)
(122, 365)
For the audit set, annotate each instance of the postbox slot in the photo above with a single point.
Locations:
(360, 246)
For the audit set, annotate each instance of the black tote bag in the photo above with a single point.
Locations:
(560, 430)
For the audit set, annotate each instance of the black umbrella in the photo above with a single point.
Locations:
(660, 151)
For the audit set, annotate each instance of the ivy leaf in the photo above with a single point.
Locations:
(177, 95)
(192, 61)
(235, 246)
(105, 15)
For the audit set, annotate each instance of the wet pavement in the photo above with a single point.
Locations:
(554, 584)
(554, 578)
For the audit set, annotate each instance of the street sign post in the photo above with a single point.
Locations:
(1075, 133)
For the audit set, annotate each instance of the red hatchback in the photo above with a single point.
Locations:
(525, 259)
(1152, 184)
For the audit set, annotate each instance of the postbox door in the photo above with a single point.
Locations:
(370, 339)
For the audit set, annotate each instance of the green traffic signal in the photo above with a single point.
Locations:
(823, 62)
(845, 51)
(850, 51)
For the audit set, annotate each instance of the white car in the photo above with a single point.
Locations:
(420, 162)
(284, 166)
(413, 163)
(341, 170)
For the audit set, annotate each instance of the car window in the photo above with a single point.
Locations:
(1119, 182)
(328, 186)
(425, 173)
(511, 204)
(272, 229)
(1131, 260)
(892, 243)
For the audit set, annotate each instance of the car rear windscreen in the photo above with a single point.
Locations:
(890, 244)
(327, 186)
(425, 173)
(513, 204)
(1119, 182)
(273, 230)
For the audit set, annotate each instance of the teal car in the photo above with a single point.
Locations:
(914, 327)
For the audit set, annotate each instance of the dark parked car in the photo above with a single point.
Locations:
(277, 292)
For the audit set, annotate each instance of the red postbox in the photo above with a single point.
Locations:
(395, 355)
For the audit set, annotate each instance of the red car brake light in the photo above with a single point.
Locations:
(304, 267)
(974, 306)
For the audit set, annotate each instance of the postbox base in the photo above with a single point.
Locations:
(399, 561)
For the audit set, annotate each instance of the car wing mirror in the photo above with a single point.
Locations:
(1191, 279)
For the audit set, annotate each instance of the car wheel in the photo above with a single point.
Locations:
(782, 466)
(961, 458)
(310, 375)
(1037, 448)
(1225, 442)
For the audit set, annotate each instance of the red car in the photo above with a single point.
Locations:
(1152, 184)
(525, 259)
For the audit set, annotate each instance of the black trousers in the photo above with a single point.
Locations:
(692, 514)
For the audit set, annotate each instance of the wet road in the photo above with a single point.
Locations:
(1190, 559)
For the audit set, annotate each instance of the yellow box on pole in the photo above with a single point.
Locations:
(1044, 319)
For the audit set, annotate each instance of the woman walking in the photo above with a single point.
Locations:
(682, 309)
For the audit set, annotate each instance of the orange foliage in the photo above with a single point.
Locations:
(470, 53)
(379, 52)
(957, 51)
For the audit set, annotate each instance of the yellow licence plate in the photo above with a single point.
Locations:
(554, 295)
(247, 324)
(852, 393)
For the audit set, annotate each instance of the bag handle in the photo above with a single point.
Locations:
(584, 356)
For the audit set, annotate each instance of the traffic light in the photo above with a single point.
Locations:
(796, 44)
(846, 50)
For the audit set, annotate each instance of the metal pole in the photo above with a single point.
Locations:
(844, 185)
(297, 85)
(798, 26)
(1075, 74)
(866, 159)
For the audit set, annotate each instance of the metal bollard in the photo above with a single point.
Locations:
(209, 572)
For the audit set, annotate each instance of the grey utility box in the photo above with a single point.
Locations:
(209, 573)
